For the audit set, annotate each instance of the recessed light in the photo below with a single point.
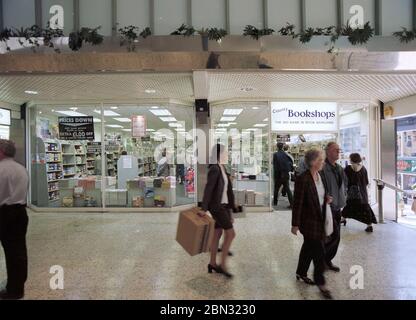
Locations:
(155, 107)
(74, 108)
(181, 130)
(53, 110)
(260, 125)
(96, 120)
(161, 112)
(72, 113)
(168, 119)
(150, 91)
(114, 108)
(126, 130)
(114, 126)
(266, 120)
(31, 92)
(175, 125)
(150, 130)
(255, 108)
(232, 112)
(223, 125)
(223, 119)
(108, 113)
(122, 119)
(40, 112)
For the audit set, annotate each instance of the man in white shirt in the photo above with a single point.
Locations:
(14, 184)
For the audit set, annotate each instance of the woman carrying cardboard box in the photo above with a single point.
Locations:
(219, 201)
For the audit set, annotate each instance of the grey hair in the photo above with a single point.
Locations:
(329, 145)
(311, 155)
(8, 148)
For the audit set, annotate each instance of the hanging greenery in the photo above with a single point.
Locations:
(129, 36)
(85, 35)
(213, 33)
(405, 35)
(256, 33)
(184, 30)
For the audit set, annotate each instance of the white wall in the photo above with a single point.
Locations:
(404, 107)
(18, 13)
(245, 12)
(395, 14)
(279, 12)
(210, 13)
(94, 13)
(168, 15)
(133, 12)
(320, 13)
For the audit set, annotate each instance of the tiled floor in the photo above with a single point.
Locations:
(135, 256)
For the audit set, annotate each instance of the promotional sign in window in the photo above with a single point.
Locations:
(138, 126)
(406, 166)
(304, 116)
(5, 117)
(76, 128)
(5, 132)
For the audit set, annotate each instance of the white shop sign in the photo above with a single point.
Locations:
(304, 116)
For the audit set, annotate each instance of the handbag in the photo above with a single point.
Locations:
(329, 223)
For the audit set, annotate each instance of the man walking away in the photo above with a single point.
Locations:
(13, 220)
(282, 165)
(336, 182)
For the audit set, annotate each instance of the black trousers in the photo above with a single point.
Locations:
(332, 244)
(13, 228)
(278, 183)
(312, 250)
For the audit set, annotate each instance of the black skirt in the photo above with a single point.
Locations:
(222, 218)
(361, 212)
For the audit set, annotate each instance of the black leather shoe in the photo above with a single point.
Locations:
(369, 229)
(333, 267)
(4, 295)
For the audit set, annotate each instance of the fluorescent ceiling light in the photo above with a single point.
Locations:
(181, 130)
(251, 129)
(126, 130)
(260, 125)
(150, 130)
(266, 120)
(223, 125)
(161, 112)
(175, 125)
(31, 92)
(97, 120)
(150, 91)
(228, 119)
(255, 108)
(108, 113)
(123, 119)
(168, 119)
(74, 108)
(114, 108)
(72, 113)
(114, 126)
(155, 107)
(232, 112)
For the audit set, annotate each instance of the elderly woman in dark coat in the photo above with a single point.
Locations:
(312, 217)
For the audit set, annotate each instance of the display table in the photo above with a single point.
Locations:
(81, 192)
(252, 192)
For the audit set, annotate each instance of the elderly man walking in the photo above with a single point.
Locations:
(336, 182)
(13, 220)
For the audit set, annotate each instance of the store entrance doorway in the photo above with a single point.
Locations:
(295, 145)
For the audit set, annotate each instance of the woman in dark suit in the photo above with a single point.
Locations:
(219, 200)
(309, 216)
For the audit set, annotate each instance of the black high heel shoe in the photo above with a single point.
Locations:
(305, 279)
(212, 268)
(225, 273)
(326, 293)
(344, 222)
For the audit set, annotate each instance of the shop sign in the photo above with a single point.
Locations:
(5, 117)
(94, 147)
(408, 166)
(304, 116)
(138, 126)
(76, 128)
(283, 138)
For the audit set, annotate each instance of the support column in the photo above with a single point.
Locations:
(114, 17)
(1, 15)
(38, 13)
(76, 15)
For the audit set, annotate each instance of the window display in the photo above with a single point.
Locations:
(79, 162)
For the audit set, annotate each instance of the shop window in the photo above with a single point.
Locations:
(18, 14)
(65, 165)
(143, 156)
(244, 130)
(95, 13)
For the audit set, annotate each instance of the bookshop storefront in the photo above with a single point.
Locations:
(111, 156)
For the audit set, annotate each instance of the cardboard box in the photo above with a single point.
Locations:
(240, 197)
(251, 198)
(195, 233)
(260, 198)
